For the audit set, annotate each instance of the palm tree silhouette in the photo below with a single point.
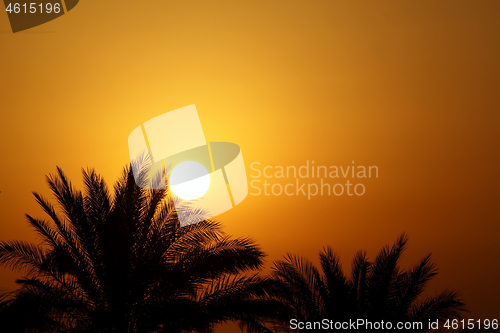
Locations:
(375, 291)
(121, 263)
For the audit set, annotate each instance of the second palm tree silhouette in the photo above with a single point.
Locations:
(374, 291)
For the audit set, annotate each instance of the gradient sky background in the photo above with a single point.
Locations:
(409, 86)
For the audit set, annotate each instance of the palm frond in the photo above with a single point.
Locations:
(446, 305)
(21, 255)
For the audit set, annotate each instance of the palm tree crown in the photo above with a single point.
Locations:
(121, 263)
(375, 291)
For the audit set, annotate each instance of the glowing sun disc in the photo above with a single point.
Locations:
(193, 188)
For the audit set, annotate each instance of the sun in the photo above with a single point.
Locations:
(190, 180)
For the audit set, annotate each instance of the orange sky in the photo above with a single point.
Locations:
(411, 87)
